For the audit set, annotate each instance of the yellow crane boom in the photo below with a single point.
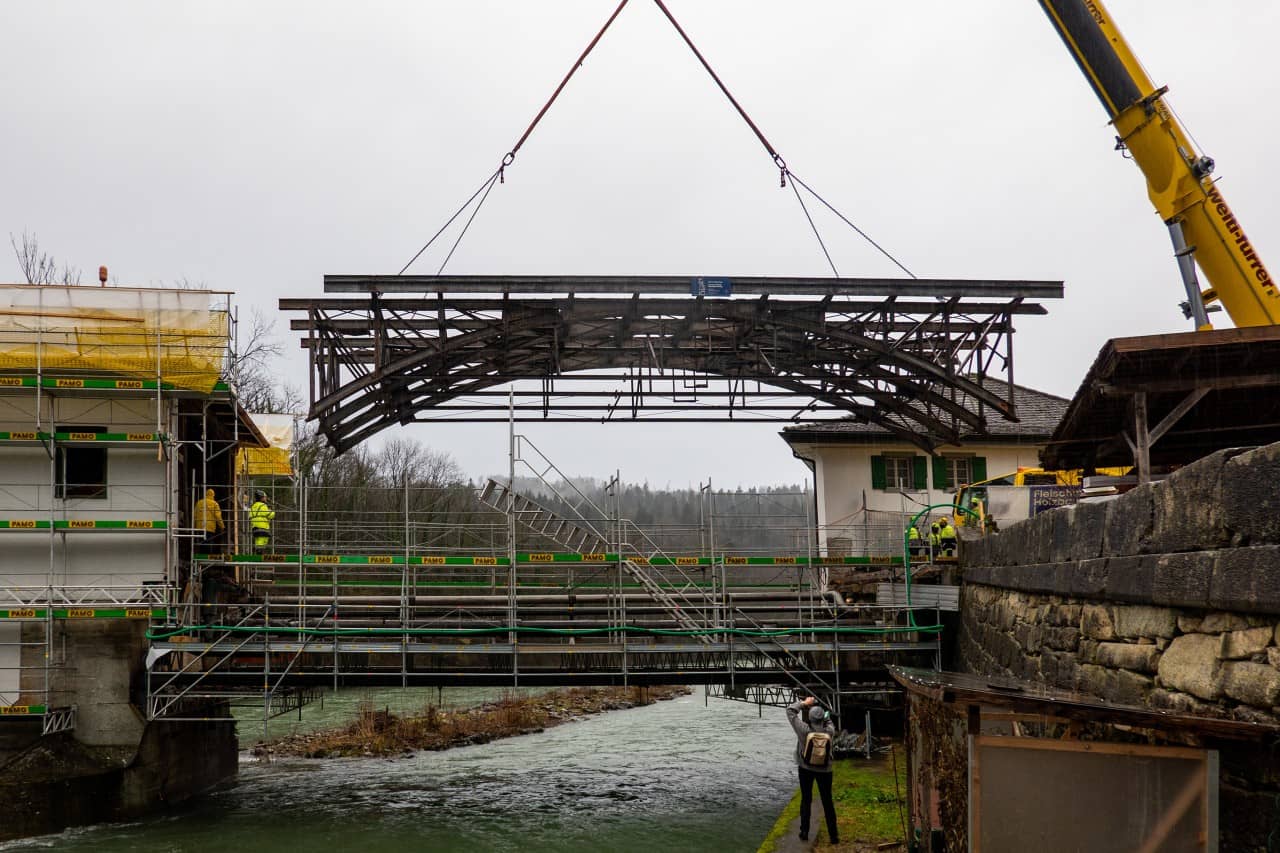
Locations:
(1200, 223)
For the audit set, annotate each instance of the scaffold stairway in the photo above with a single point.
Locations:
(576, 536)
(581, 537)
(672, 605)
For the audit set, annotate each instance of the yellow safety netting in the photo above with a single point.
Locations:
(140, 333)
(273, 460)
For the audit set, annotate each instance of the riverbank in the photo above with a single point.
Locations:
(377, 732)
(869, 811)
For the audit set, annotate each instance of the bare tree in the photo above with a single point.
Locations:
(38, 266)
(258, 356)
(404, 461)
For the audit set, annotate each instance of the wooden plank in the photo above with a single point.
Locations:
(1195, 340)
(1094, 746)
(925, 595)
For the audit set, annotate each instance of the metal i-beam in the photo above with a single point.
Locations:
(745, 285)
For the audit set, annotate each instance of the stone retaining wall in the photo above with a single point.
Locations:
(1168, 597)
(1211, 663)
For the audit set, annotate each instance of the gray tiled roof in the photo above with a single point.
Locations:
(1038, 416)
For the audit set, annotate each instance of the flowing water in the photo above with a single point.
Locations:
(677, 775)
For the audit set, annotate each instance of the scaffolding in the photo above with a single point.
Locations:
(414, 586)
(97, 385)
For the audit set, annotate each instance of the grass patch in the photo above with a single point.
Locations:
(867, 803)
(867, 806)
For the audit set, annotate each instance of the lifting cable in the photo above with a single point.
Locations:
(783, 171)
(795, 179)
(777, 158)
(499, 175)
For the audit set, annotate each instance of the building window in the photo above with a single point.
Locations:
(898, 473)
(959, 471)
(81, 471)
(952, 472)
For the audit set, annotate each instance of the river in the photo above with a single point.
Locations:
(676, 775)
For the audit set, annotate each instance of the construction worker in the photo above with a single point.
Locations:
(979, 511)
(260, 516)
(915, 545)
(208, 517)
(946, 537)
(934, 545)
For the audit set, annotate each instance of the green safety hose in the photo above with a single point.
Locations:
(167, 633)
(906, 552)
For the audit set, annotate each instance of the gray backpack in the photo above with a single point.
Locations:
(816, 749)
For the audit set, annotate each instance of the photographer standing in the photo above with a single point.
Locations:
(815, 735)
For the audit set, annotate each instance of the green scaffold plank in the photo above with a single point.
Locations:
(107, 436)
(103, 384)
(85, 613)
(356, 559)
(109, 613)
(24, 613)
(564, 557)
(94, 383)
(23, 710)
(80, 524)
(132, 524)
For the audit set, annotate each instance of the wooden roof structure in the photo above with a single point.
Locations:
(1171, 399)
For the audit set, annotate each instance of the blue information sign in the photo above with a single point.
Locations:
(711, 287)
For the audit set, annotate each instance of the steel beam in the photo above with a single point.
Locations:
(744, 285)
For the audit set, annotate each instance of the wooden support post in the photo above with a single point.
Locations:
(1142, 438)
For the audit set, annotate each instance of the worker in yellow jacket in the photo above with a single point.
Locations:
(260, 516)
(208, 517)
(946, 537)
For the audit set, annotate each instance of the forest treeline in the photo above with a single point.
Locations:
(402, 492)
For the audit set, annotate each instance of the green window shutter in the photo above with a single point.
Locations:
(922, 472)
(877, 472)
(979, 466)
(940, 474)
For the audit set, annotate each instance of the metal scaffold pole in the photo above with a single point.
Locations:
(622, 591)
(404, 591)
(511, 539)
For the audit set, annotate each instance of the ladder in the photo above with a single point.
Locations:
(581, 536)
(578, 536)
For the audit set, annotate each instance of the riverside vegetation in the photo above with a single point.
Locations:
(380, 733)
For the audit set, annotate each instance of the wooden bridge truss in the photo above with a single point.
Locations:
(928, 360)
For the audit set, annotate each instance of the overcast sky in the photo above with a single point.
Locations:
(258, 146)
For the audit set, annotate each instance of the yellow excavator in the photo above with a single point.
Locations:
(1202, 226)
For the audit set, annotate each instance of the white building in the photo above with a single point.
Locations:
(868, 481)
(114, 416)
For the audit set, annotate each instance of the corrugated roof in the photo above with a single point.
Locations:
(1038, 416)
